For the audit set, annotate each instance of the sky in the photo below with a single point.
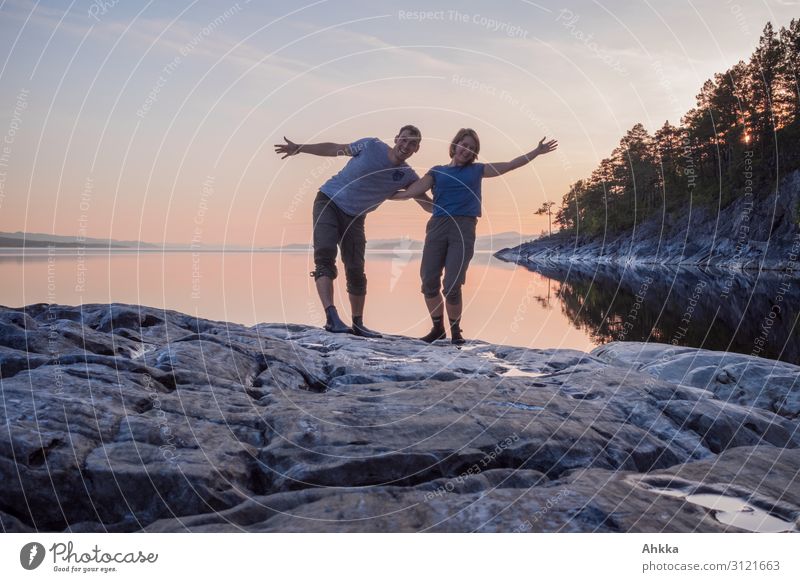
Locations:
(156, 120)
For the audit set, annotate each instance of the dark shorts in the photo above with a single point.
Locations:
(333, 228)
(449, 246)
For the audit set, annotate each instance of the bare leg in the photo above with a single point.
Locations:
(454, 315)
(434, 305)
(325, 291)
(357, 307)
(454, 311)
(332, 321)
(357, 304)
(436, 309)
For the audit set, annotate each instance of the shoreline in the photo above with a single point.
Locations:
(748, 235)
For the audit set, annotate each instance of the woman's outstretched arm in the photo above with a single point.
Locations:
(499, 168)
(415, 190)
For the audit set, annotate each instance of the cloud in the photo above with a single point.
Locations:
(360, 42)
(199, 39)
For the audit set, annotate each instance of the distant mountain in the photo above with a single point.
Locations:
(20, 240)
(491, 242)
(495, 242)
(397, 244)
(38, 240)
(291, 247)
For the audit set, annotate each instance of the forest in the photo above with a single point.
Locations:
(741, 138)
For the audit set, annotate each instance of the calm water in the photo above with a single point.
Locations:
(506, 304)
(755, 314)
(503, 303)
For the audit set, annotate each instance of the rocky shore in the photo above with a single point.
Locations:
(129, 418)
(751, 234)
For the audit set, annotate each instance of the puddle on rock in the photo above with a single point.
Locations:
(755, 520)
(395, 359)
(738, 513)
(726, 509)
(718, 502)
(469, 348)
(513, 372)
(677, 493)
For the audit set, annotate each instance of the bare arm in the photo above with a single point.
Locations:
(426, 202)
(415, 190)
(318, 149)
(500, 168)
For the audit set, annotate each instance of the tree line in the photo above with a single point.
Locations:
(740, 139)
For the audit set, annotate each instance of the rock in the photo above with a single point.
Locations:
(166, 422)
(741, 379)
(586, 500)
(10, 524)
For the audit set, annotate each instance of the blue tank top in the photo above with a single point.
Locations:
(457, 190)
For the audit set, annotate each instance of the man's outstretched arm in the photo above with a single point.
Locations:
(318, 149)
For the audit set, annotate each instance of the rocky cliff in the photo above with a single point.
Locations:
(128, 418)
(752, 233)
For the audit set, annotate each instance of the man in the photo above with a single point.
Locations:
(374, 174)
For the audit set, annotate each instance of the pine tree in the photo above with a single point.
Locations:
(667, 151)
(790, 66)
(767, 113)
(745, 111)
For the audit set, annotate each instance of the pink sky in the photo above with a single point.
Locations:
(157, 124)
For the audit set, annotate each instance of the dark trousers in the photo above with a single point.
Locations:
(449, 246)
(333, 228)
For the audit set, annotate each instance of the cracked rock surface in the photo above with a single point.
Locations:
(129, 418)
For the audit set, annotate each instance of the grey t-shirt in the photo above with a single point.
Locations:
(368, 179)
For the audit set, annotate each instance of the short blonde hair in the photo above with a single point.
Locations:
(462, 133)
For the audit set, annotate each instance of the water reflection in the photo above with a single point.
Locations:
(250, 288)
(578, 308)
(736, 506)
(753, 314)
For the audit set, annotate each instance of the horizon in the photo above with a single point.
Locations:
(96, 241)
(157, 124)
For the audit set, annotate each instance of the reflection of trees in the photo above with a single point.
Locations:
(604, 303)
(542, 300)
(609, 313)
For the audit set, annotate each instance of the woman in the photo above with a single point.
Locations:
(450, 233)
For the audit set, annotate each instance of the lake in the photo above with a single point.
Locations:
(578, 308)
